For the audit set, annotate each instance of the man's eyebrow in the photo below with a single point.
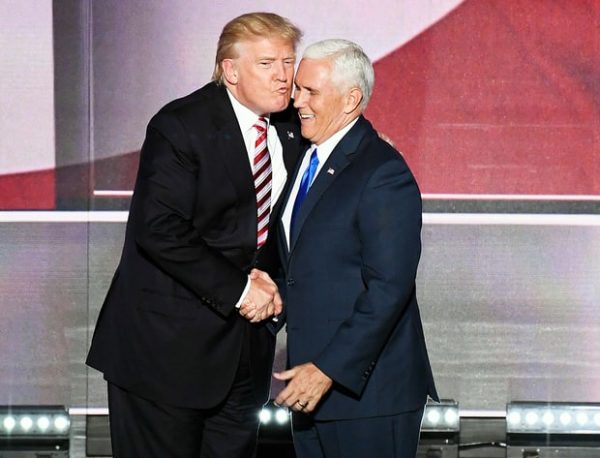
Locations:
(307, 88)
(275, 58)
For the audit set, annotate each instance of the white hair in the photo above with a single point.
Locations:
(351, 66)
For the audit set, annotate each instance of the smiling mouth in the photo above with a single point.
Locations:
(306, 116)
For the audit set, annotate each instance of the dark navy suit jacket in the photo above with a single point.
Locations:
(350, 299)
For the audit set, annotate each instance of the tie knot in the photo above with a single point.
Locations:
(261, 124)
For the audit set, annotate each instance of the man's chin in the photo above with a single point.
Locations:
(306, 133)
(281, 104)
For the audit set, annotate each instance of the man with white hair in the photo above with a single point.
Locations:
(359, 372)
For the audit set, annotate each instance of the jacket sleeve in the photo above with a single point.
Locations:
(162, 213)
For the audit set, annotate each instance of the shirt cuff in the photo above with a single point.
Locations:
(246, 289)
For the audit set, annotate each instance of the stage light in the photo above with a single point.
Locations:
(513, 418)
(531, 418)
(451, 417)
(274, 425)
(565, 418)
(9, 423)
(19, 420)
(34, 431)
(581, 418)
(433, 416)
(43, 423)
(548, 418)
(541, 418)
(440, 430)
(441, 416)
(557, 430)
(265, 416)
(282, 416)
(61, 423)
(26, 423)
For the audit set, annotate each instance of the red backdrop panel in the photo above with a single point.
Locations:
(28, 191)
(500, 96)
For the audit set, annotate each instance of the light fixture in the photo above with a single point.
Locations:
(36, 429)
(270, 411)
(440, 430)
(441, 417)
(282, 416)
(34, 421)
(552, 418)
(265, 416)
(556, 429)
(275, 427)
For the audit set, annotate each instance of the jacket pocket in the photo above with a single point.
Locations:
(168, 305)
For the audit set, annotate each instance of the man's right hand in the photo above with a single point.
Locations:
(263, 299)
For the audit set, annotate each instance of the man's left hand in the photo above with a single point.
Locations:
(306, 386)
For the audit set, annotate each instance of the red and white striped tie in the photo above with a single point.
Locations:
(263, 181)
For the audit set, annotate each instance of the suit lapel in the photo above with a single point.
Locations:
(231, 148)
(339, 159)
(289, 136)
(288, 131)
(286, 196)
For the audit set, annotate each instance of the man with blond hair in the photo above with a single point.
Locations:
(182, 337)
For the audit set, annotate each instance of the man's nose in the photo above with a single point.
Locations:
(297, 103)
(279, 69)
(299, 99)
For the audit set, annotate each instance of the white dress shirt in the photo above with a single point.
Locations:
(324, 150)
(246, 119)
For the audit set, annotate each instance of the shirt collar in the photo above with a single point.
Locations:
(245, 116)
(325, 149)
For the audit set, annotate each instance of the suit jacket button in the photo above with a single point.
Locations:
(290, 282)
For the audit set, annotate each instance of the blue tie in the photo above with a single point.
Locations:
(307, 180)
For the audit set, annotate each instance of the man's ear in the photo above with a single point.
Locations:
(353, 99)
(230, 73)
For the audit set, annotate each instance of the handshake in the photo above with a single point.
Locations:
(262, 300)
